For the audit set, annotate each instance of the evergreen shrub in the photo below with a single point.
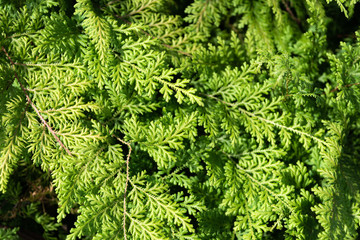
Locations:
(179, 119)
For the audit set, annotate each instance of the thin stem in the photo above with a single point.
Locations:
(126, 182)
(127, 177)
(26, 34)
(33, 105)
(292, 15)
(346, 86)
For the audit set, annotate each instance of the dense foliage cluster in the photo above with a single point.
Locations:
(164, 119)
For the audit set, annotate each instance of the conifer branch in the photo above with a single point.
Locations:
(40, 64)
(246, 172)
(127, 178)
(144, 227)
(251, 224)
(201, 15)
(34, 107)
(267, 120)
(323, 93)
(26, 34)
(265, 188)
(153, 37)
(143, 6)
(22, 118)
(71, 108)
(112, 2)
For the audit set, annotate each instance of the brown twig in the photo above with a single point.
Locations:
(346, 35)
(346, 86)
(126, 182)
(292, 15)
(34, 107)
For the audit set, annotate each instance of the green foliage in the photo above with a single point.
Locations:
(152, 119)
(9, 234)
